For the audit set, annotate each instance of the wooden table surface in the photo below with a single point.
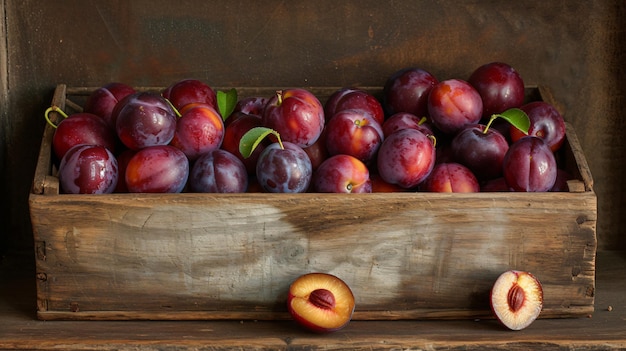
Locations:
(20, 330)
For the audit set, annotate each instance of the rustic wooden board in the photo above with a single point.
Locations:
(19, 331)
(233, 256)
(404, 255)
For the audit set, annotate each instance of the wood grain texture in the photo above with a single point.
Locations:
(19, 329)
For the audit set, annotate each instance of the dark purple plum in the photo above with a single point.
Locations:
(157, 169)
(190, 91)
(403, 120)
(354, 99)
(530, 166)
(500, 86)
(407, 91)
(102, 101)
(482, 152)
(406, 158)
(546, 122)
(82, 129)
(453, 104)
(145, 119)
(88, 169)
(218, 171)
(284, 170)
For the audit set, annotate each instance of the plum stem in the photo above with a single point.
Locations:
(491, 119)
(174, 108)
(53, 109)
(433, 139)
(279, 96)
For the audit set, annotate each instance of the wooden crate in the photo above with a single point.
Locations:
(233, 256)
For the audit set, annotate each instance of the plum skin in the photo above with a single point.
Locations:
(342, 174)
(483, 153)
(296, 114)
(500, 86)
(157, 169)
(88, 169)
(453, 104)
(406, 158)
(218, 171)
(284, 170)
(407, 90)
(354, 133)
(451, 177)
(144, 119)
(529, 165)
(199, 130)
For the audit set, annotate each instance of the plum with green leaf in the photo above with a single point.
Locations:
(282, 167)
(546, 122)
(482, 148)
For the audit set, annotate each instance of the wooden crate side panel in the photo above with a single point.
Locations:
(236, 254)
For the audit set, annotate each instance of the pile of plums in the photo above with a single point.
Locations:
(420, 134)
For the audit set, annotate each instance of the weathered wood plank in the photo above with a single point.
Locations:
(20, 330)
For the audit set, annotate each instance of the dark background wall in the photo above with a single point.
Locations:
(574, 47)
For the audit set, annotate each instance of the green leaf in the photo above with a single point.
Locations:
(516, 117)
(226, 102)
(253, 138)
